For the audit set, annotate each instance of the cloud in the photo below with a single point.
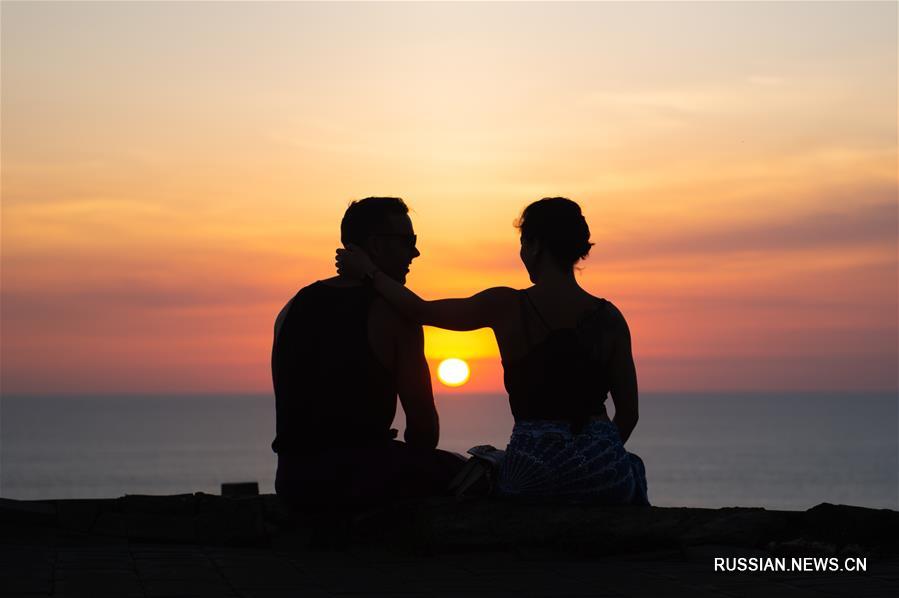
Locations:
(839, 225)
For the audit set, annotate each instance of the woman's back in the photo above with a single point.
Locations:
(560, 372)
(563, 352)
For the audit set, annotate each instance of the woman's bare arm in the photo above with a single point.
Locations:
(481, 310)
(623, 379)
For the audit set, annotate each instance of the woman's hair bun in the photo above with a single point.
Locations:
(560, 227)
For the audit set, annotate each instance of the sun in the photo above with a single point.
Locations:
(453, 372)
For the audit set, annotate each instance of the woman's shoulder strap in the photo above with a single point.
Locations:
(536, 311)
(523, 301)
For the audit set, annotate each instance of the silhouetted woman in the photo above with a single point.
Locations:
(563, 351)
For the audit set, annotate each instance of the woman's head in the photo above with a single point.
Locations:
(555, 225)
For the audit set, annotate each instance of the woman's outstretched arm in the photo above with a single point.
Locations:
(478, 311)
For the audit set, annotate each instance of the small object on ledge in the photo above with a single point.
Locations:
(240, 489)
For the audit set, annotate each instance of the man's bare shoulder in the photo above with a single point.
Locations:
(297, 297)
(339, 282)
(305, 293)
(282, 315)
(386, 317)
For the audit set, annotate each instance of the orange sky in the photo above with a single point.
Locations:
(173, 173)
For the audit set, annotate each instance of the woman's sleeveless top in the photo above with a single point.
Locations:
(562, 377)
(330, 389)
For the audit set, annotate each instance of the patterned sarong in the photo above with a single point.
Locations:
(544, 460)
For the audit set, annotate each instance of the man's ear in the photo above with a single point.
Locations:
(371, 247)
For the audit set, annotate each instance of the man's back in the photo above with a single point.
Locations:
(340, 358)
(329, 384)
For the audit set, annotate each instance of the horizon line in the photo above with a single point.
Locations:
(453, 393)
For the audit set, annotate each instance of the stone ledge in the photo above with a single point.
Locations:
(450, 525)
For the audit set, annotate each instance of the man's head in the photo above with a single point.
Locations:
(381, 226)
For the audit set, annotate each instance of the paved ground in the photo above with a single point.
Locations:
(53, 563)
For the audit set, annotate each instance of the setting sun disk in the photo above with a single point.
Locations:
(453, 372)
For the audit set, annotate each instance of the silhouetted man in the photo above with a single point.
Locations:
(341, 355)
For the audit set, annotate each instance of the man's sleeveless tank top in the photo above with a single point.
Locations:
(330, 389)
(562, 377)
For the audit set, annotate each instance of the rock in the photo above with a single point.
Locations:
(178, 504)
(223, 520)
(737, 527)
(80, 514)
(111, 523)
(240, 489)
(33, 512)
(800, 547)
(467, 524)
(484, 523)
(842, 525)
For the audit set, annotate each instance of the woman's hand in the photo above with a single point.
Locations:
(354, 263)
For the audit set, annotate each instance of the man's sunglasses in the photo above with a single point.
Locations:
(410, 240)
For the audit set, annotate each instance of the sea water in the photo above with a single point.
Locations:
(779, 451)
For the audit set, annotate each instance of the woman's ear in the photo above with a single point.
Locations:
(532, 248)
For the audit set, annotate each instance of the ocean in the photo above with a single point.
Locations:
(778, 451)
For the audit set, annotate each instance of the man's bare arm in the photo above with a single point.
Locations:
(414, 388)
